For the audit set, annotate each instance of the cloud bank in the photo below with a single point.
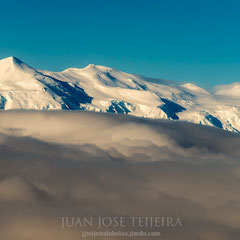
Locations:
(56, 164)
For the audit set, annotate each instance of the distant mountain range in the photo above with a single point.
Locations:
(103, 89)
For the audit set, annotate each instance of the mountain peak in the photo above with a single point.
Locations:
(230, 90)
(16, 60)
(11, 59)
(10, 62)
(93, 68)
(98, 68)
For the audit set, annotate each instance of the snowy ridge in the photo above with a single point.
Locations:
(103, 89)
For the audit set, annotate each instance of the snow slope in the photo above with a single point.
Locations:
(103, 89)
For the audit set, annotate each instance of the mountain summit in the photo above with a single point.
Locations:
(104, 89)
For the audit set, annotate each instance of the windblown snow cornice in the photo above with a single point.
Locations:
(103, 89)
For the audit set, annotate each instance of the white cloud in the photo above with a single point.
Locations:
(87, 164)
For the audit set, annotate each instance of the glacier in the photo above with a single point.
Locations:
(103, 89)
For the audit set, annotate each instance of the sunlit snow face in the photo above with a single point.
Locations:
(80, 164)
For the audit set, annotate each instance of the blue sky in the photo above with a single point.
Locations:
(185, 40)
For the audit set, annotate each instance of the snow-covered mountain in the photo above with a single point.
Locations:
(103, 89)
